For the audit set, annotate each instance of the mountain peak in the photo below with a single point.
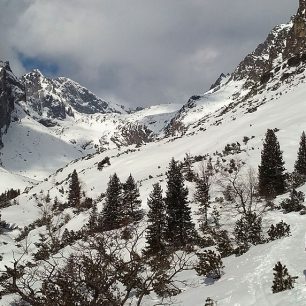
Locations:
(5, 65)
(302, 5)
(37, 72)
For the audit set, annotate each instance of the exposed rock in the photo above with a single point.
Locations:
(218, 81)
(11, 91)
(57, 98)
(284, 42)
(296, 40)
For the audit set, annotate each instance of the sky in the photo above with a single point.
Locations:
(136, 52)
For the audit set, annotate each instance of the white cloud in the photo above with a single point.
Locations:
(139, 51)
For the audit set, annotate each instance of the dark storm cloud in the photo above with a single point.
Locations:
(139, 52)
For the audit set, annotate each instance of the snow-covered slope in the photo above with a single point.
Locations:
(57, 120)
(266, 91)
(248, 278)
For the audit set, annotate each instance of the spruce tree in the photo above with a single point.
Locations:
(187, 168)
(93, 218)
(112, 213)
(300, 164)
(155, 234)
(223, 243)
(210, 264)
(180, 228)
(202, 195)
(131, 200)
(271, 170)
(282, 280)
(248, 230)
(74, 197)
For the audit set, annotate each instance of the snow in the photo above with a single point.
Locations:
(32, 153)
(247, 280)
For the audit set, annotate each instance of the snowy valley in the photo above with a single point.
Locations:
(51, 128)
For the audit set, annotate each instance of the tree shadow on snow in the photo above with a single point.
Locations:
(208, 281)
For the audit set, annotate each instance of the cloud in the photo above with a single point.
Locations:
(139, 52)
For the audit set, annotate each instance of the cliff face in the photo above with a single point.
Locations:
(296, 40)
(283, 42)
(57, 98)
(11, 91)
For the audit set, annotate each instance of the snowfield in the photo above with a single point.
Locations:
(248, 278)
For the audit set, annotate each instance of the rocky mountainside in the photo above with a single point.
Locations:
(278, 61)
(11, 92)
(60, 97)
(48, 122)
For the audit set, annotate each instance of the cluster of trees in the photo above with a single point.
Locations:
(122, 206)
(272, 177)
(169, 218)
(110, 267)
(7, 196)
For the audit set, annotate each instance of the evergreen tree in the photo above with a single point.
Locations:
(187, 168)
(223, 243)
(210, 265)
(248, 230)
(93, 218)
(294, 202)
(300, 164)
(271, 170)
(215, 215)
(74, 197)
(279, 230)
(131, 200)
(180, 228)
(156, 222)
(209, 302)
(202, 195)
(282, 280)
(112, 213)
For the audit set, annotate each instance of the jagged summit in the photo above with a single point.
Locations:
(302, 6)
(61, 97)
(5, 64)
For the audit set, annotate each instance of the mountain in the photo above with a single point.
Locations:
(275, 64)
(60, 97)
(227, 124)
(48, 122)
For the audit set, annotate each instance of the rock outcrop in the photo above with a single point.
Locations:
(57, 98)
(11, 91)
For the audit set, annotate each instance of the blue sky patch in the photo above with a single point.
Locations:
(47, 68)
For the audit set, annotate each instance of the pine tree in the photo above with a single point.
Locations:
(248, 230)
(180, 228)
(202, 195)
(271, 170)
(209, 302)
(156, 222)
(112, 213)
(210, 265)
(187, 168)
(215, 215)
(224, 245)
(74, 197)
(300, 164)
(282, 280)
(131, 200)
(93, 218)
(279, 230)
(294, 202)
